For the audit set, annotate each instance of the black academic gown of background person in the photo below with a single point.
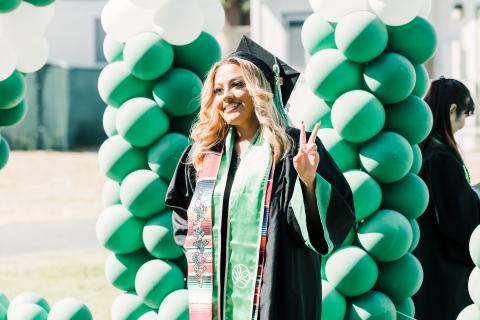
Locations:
(445, 229)
(291, 286)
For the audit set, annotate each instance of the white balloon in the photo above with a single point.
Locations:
(8, 59)
(32, 54)
(334, 11)
(149, 4)
(426, 8)
(396, 12)
(121, 19)
(213, 15)
(179, 21)
(27, 21)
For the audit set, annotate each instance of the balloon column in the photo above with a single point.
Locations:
(23, 49)
(158, 52)
(367, 80)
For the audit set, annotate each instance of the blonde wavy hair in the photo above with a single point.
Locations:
(210, 128)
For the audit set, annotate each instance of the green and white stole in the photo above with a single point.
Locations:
(246, 232)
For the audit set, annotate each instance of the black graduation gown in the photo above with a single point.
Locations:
(444, 235)
(291, 284)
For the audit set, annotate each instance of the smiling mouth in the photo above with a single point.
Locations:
(232, 107)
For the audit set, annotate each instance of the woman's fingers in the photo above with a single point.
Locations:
(303, 135)
(314, 134)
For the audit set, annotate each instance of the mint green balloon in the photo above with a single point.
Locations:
(40, 3)
(198, 56)
(469, 313)
(416, 40)
(422, 81)
(344, 153)
(4, 152)
(184, 124)
(326, 121)
(26, 311)
(3, 312)
(175, 306)
(388, 157)
(386, 235)
(116, 85)
(351, 271)
(178, 92)
(182, 263)
(30, 297)
(334, 305)
(405, 309)
(12, 116)
(329, 74)
(158, 237)
(417, 159)
(412, 118)
(117, 158)
(400, 279)
(474, 286)
(390, 77)
(367, 194)
(119, 231)
(4, 301)
(156, 279)
(12, 90)
(397, 196)
(311, 110)
(317, 34)
(163, 156)
(357, 116)
(372, 305)
(474, 246)
(148, 55)
(70, 309)
(416, 234)
(140, 121)
(129, 306)
(9, 5)
(108, 121)
(361, 36)
(142, 192)
(121, 269)
(112, 49)
(110, 193)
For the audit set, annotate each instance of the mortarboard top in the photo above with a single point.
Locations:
(265, 61)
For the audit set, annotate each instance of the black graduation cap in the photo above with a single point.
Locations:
(266, 61)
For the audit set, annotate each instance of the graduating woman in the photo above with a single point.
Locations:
(454, 208)
(255, 202)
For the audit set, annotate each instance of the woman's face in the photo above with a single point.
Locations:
(457, 120)
(231, 96)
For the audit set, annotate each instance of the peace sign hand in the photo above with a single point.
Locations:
(307, 159)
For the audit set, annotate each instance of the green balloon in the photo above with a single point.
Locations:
(117, 158)
(3, 312)
(405, 309)
(4, 301)
(175, 306)
(317, 34)
(148, 55)
(351, 271)
(417, 159)
(12, 116)
(416, 40)
(70, 309)
(129, 306)
(158, 237)
(390, 77)
(416, 234)
(412, 118)
(311, 110)
(40, 3)
(469, 313)
(140, 121)
(26, 311)
(4, 152)
(110, 193)
(329, 74)
(30, 297)
(474, 286)
(344, 153)
(388, 157)
(164, 155)
(178, 92)
(121, 269)
(422, 81)
(474, 246)
(361, 36)
(143, 193)
(156, 279)
(372, 305)
(9, 5)
(386, 235)
(334, 305)
(116, 85)
(184, 124)
(326, 121)
(112, 49)
(119, 231)
(400, 279)
(198, 56)
(182, 263)
(357, 116)
(12, 90)
(397, 196)
(109, 119)
(367, 194)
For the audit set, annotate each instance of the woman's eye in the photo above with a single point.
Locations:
(238, 84)
(217, 91)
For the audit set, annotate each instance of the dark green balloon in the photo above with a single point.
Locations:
(112, 49)
(40, 3)
(416, 40)
(416, 234)
(175, 306)
(318, 34)
(390, 77)
(110, 193)
(12, 116)
(326, 121)
(417, 159)
(344, 153)
(12, 90)
(367, 194)
(311, 110)
(198, 56)
(163, 156)
(334, 305)
(178, 92)
(4, 152)
(129, 306)
(372, 305)
(121, 269)
(184, 124)
(158, 237)
(9, 5)
(108, 121)
(405, 309)
(70, 309)
(422, 81)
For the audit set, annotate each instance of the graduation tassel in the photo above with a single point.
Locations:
(277, 95)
